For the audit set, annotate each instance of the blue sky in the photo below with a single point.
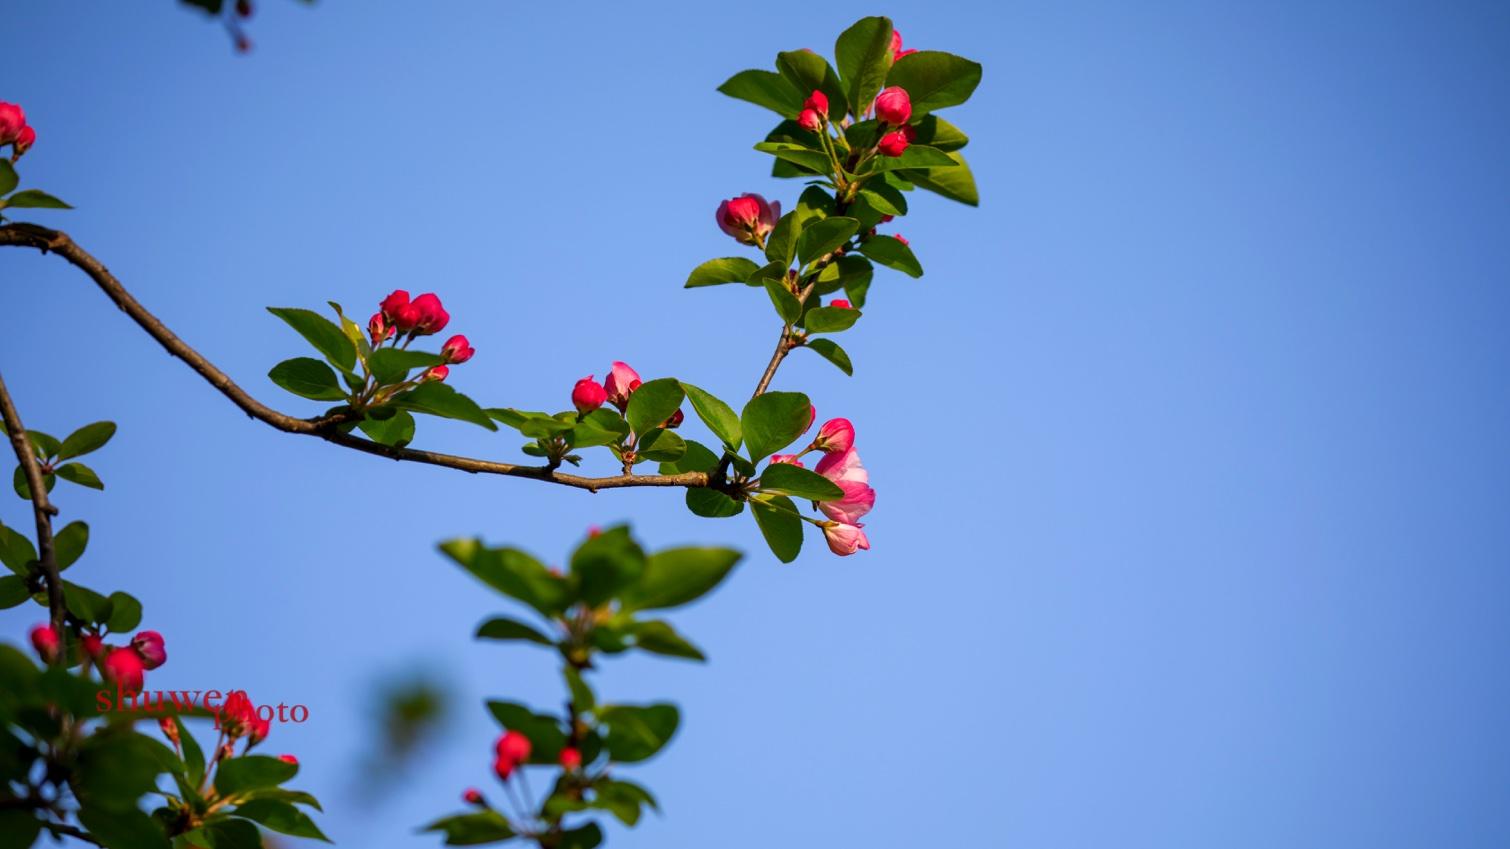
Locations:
(1190, 447)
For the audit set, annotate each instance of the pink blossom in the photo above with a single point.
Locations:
(588, 395)
(893, 106)
(621, 383)
(858, 500)
(843, 466)
(748, 218)
(789, 459)
(843, 539)
(836, 435)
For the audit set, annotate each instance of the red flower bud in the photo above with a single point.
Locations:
(893, 106)
(289, 759)
(818, 102)
(259, 730)
(675, 421)
(435, 373)
(896, 41)
(513, 746)
(238, 714)
(503, 768)
(393, 306)
(170, 729)
(840, 304)
(93, 645)
(473, 796)
(379, 330)
(571, 758)
(812, 416)
(789, 459)
(12, 120)
(24, 140)
(748, 217)
(621, 383)
(810, 120)
(886, 219)
(149, 644)
(45, 640)
(843, 539)
(900, 238)
(901, 53)
(456, 350)
(123, 667)
(893, 144)
(588, 395)
(432, 316)
(836, 435)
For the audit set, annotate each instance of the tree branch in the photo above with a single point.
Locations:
(53, 241)
(41, 507)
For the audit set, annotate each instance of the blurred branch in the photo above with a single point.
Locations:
(325, 427)
(41, 506)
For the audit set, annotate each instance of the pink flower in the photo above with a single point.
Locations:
(571, 758)
(748, 217)
(812, 416)
(93, 645)
(379, 330)
(858, 500)
(896, 41)
(432, 316)
(789, 459)
(900, 238)
(840, 304)
(621, 383)
(289, 759)
(437, 374)
(810, 120)
(392, 309)
(513, 746)
(149, 644)
(843, 466)
(893, 144)
(456, 350)
(588, 395)
(473, 796)
(45, 640)
(843, 539)
(259, 731)
(818, 102)
(24, 140)
(12, 120)
(238, 714)
(123, 667)
(836, 435)
(893, 106)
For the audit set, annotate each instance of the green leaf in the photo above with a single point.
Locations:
(637, 732)
(90, 437)
(915, 156)
(715, 272)
(68, 544)
(18, 828)
(765, 88)
(392, 365)
(781, 245)
(396, 430)
(603, 426)
(893, 254)
(863, 53)
(698, 458)
(16, 551)
(787, 479)
(831, 319)
(849, 273)
(322, 333)
(653, 403)
(830, 350)
(718, 416)
(607, 563)
(13, 591)
(581, 694)
(786, 304)
(504, 628)
(9, 179)
(780, 525)
(935, 79)
(473, 829)
(125, 612)
(956, 183)
(771, 421)
(80, 474)
(307, 377)
(438, 399)
(677, 576)
(544, 732)
(582, 837)
(936, 132)
(47, 446)
(85, 604)
(657, 637)
(18, 483)
(662, 446)
(712, 504)
(33, 199)
(513, 573)
(231, 834)
(808, 72)
(193, 755)
(123, 828)
(822, 237)
(884, 199)
(251, 772)
(280, 817)
(813, 160)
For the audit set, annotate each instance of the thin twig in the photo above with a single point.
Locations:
(41, 507)
(45, 240)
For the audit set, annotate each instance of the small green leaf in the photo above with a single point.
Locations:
(884, 199)
(662, 446)
(831, 319)
(230, 833)
(16, 551)
(504, 628)
(780, 525)
(765, 88)
(69, 543)
(637, 732)
(33, 199)
(438, 399)
(18, 483)
(712, 504)
(781, 245)
(607, 563)
(813, 160)
(891, 253)
(9, 179)
(718, 416)
(473, 829)
(915, 156)
(830, 350)
(308, 378)
(957, 183)
(251, 772)
(90, 437)
(714, 272)
(787, 479)
(322, 333)
(807, 72)
(86, 604)
(934, 79)
(657, 637)
(863, 53)
(47, 446)
(603, 426)
(653, 403)
(80, 474)
(771, 421)
(822, 237)
(392, 365)
(677, 576)
(13, 591)
(936, 132)
(125, 612)
(786, 304)
(512, 572)
(698, 458)
(280, 817)
(396, 430)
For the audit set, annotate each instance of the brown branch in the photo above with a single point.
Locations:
(41, 507)
(45, 240)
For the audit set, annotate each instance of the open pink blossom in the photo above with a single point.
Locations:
(843, 466)
(858, 500)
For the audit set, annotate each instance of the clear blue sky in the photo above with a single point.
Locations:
(1191, 445)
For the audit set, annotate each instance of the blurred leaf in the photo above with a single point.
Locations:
(829, 350)
(658, 637)
(16, 551)
(935, 79)
(90, 437)
(780, 525)
(544, 732)
(9, 179)
(473, 829)
(714, 272)
(18, 483)
(606, 563)
(13, 591)
(251, 772)
(309, 378)
(193, 756)
(320, 332)
(637, 732)
(676, 576)
(232, 834)
(280, 817)
(86, 604)
(125, 612)
(582, 837)
(773, 420)
(504, 628)
(47, 446)
(513, 573)
(126, 828)
(68, 544)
